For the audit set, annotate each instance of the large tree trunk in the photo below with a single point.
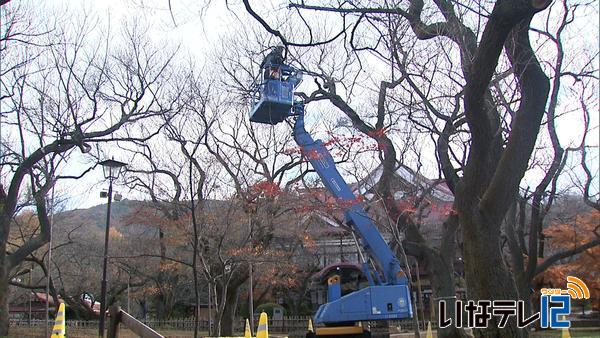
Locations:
(8, 262)
(163, 305)
(443, 287)
(228, 317)
(3, 291)
(4, 266)
(493, 172)
(515, 236)
(487, 275)
(227, 294)
(441, 270)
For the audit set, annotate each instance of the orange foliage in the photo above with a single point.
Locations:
(407, 205)
(282, 274)
(344, 142)
(443, 209)
(266, 189)
(566, 236)
(319, 200)
(309, 243)
(113, 233)
(169, 266)
(378, 132)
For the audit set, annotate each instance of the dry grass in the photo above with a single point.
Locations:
(25, 332)
(576, 332)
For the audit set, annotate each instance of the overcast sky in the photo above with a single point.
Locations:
(188, 24)
(197, 28)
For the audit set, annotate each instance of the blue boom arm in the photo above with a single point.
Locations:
(387, 296)
(355, 216)
(390, 299)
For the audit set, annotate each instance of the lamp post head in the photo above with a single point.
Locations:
(112, 169)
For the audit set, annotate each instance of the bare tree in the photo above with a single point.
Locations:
(163, 177)
(72, 96)
(218, 155)
(256, 169)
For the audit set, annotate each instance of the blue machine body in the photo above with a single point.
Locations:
(334, 291)
(388, 296)
(379, 302)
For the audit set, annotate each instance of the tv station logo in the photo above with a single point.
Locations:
(555, 305)
(550, 314)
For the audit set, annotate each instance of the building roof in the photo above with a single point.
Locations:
(410, 178)
(43, 298)
(406, 185)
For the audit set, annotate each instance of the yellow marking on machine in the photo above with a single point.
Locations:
(338, 330)
(335, 279)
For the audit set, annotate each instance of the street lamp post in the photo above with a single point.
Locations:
(111, 169)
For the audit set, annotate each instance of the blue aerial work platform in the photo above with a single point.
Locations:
(387, 296)
(273, 95)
